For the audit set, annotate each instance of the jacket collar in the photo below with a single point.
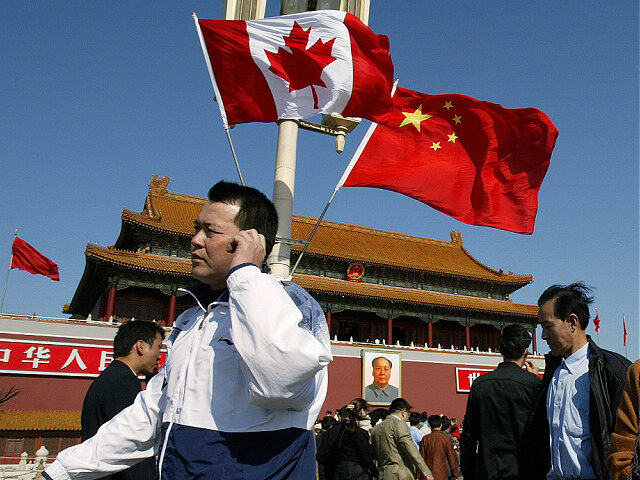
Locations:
(204, 296)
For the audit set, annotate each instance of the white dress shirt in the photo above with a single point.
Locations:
(568, 414)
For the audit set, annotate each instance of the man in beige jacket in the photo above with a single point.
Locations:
(393, 447)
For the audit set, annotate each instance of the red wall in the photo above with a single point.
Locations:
(41, 392)
(429, 387)
(426, 386)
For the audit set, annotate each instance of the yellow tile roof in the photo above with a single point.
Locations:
(385, 292)
(369, 245)
(140, 261)
(40, 420)
(174, 213)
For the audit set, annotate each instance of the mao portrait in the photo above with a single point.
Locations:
(381, 376)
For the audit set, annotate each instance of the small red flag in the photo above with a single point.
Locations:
(596, 322)
(27, 258)
(296, 66)
(476, 161)
(624, 326)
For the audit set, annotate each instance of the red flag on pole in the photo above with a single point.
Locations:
(296, 66)
(596, 322)
(624, 327)
(27, 258)
(475, 161)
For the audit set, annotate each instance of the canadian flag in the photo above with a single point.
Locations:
(296, 66)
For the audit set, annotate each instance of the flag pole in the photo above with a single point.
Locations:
(624, 327)
(6, 280)
(343, 178)
(218, 97)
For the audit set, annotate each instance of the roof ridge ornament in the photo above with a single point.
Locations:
(157, 186)
(456, 238)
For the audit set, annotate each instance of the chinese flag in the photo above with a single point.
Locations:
(27, 258)
(624, 326)
(596, 322)
(476, 161)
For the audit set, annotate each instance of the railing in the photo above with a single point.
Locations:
(24, 469)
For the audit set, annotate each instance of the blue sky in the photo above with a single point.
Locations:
(98, 96)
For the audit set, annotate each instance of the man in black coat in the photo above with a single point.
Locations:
(136, 351)
(581, 389)
(499, 404)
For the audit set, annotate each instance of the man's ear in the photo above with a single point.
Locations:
(574, 322)
(526, 352)
(139, 346)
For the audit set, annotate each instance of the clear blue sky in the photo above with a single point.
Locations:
(98, 96)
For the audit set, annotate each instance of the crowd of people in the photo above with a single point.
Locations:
(357, 443)
(579, 421)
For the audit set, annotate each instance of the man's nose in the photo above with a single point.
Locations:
(197, 239)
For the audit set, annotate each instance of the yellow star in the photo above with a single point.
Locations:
(435, 146)
(447, 105)
(414, 118)
(452, 138)
(457, 119)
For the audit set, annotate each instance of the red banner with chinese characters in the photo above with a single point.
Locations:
(466, 376)
(53, 358)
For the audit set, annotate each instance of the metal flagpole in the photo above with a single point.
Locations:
(218, 97)
(345, 175)
(6, 280)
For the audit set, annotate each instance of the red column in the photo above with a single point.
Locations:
(535, 342)
(329, 320)
(467, 336)
(172, 309)
(389, 329)
(430, 334)
(111, 302)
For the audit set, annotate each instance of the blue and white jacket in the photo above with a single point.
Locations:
(244, 381)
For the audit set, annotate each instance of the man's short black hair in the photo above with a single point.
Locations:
(445, 423)
(328, 422)
(373, 362)
(414, 418)
(256, 210)
(399, 404)
(568, 299)
(130, 332)
(513, 341)
(435, 421)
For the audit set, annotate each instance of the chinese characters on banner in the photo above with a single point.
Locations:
(466, 376)
(53, 358)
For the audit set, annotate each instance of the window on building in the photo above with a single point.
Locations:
(348, 330)
(138, 309)
(14, 447)
(399, 334)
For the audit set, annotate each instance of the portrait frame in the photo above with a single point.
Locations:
(395, 379)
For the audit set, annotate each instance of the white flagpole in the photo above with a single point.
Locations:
(345, 175)
(218, 97)
(6, 281)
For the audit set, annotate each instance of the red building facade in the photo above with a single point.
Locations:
(430, 301)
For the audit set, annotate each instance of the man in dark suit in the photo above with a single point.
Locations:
(499, 404)
(136, 351)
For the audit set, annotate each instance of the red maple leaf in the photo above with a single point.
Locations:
(301, 67)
